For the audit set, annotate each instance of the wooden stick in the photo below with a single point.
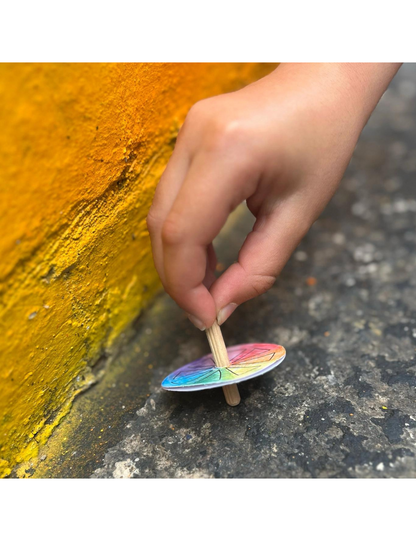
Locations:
(219, 352)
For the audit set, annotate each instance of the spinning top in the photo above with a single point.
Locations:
(225, 367)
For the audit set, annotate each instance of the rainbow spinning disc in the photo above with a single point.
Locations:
(246, 361)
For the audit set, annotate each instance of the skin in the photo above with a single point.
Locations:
(282, 144)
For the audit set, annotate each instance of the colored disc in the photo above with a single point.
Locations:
(246, 361)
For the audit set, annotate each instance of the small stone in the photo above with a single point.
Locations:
(301, 256)
(338, 238)
(358, 209)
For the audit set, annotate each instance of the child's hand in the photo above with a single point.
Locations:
(282, 144)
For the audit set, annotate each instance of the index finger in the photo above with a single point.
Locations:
(210, 191)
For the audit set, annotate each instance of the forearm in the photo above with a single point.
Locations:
(352, 88)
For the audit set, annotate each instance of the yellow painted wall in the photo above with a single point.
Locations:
(82, 147)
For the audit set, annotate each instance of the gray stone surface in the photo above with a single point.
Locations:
(343, 402)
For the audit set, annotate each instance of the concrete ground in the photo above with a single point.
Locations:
(343, 402)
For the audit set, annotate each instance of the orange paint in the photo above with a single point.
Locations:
(82, 147)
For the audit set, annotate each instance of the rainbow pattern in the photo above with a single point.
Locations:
(246, 361)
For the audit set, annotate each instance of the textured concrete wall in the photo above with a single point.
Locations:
(81, 150)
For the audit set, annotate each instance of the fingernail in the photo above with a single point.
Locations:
(197, 322)
(226, 312)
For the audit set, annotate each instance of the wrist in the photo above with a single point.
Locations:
(354, 88)
(368, 82)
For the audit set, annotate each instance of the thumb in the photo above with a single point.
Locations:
(262, 257)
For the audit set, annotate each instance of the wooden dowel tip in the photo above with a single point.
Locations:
(232, 395)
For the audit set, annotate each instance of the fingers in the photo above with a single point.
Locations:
(262, 256)
(211, 190)
(211, 263)
(210, 268)
(166, 192)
